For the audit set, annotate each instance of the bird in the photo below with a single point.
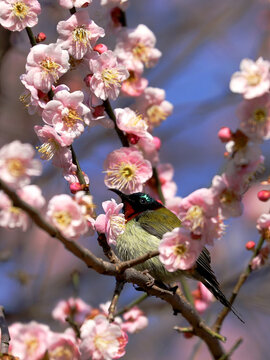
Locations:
(147, 220)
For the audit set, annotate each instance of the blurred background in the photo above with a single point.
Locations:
(202, 42)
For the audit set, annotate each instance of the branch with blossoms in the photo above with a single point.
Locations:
(135, 167)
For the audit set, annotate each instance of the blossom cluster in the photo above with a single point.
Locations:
(99, 338)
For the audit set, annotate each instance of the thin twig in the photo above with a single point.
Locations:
(107, 250)
(117, 291)
(5, 337)
(132, 304)
(191, 330)
(241, 280)
(235, 346)
(31, 36)
(74, 326)
(130, 263)
(178, 303)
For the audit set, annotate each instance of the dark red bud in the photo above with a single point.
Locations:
(188, 335)
(40, 37)
(85, 4)
(133, 139)
(87, 79)
(98, 111)
(263, 195)
(100, 48)
(75, 187)
(117, 16)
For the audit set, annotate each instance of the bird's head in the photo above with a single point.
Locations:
(136, 203)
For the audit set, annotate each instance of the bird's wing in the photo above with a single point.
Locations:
(158, 222)
(203, 267)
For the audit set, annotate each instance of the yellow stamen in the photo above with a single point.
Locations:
(81, 35)
(48, 149)
(195, 216)
(71, 118)
(141, 52)
(50, 67)
(15, 167)
(155, 115)
(253, 79)
(63, 218)
(180, 249)
(110, 77)
(20, 9)
(121, 175)
(61, 352)
(227, 197)
(118, 224)
(31, 345)
(15, 210)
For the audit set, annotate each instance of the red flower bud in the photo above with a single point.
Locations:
(188, 335)
(263, 195)
(75, 187)
(100, 48)
(133, 139)
(225, 134)
(157, 142)
(98, 111)
(87, 79)
(250, 245)
(40, 37)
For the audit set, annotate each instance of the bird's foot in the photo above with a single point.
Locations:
(151, 281)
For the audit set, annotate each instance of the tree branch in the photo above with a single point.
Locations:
(5, 337)
(117, 291)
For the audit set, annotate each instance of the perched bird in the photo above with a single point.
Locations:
(147, 220)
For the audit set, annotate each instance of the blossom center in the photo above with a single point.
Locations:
(155, 115)
(15, 167)
(101, 343)
(117, 224)
(31, 345)
(110, 77)
(253, 79)
(227, 197)
(180, 249)
(63, 218)
(51, 67)
(120, 175)
(61, 352)
(48, 149)
(20, 9)
(15, 210)
(260, 115)
(81, 35)
(71, 118)
(195, 216)
(141, 52)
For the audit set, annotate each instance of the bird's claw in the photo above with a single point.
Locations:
(151, 281)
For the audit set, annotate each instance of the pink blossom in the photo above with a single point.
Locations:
(45, 65)
(253, 80)
(149, 149)
(67, 114)
(13, 217)
(134, 320)
(63, 347)
(228, 196)
(29, 341)
(78, 34)
(68, 4)
(65, 214)
(254, 118)
(177, 251)
(263, 223)
(135, 48)
(102, 340)
(17, 164)
(202, 298)
(112, 223)
(259, 260)
(87, 207)
(134, 85)
(122, 4)
(173, 204)
(131, 123)
(75, 308)
(107, 75)
(153, 106)
(70, 174)
(16, 15)
(199, 213)
(127, 170)
(53, 146)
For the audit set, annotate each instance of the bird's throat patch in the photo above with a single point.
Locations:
(129, 212)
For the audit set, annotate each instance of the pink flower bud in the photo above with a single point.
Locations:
(87, 79)
(263, 195)
(133, 139)
(40, 37)
(98, 111)
(157, 142)
(250, 245)
(85, 4)
(75, 187)
(225, 134)
(100, 48)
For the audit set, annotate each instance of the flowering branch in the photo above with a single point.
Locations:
(242, 279)
(5, 337)
(179, 304)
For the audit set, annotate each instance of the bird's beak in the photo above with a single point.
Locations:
(119, 193)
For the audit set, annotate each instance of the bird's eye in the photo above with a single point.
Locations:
(143, 201)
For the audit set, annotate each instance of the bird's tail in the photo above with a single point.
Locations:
(205, 274)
